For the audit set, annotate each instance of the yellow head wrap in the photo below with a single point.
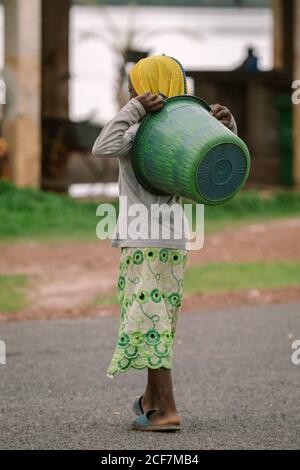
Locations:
(158, 73)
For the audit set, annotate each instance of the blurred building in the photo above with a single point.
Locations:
(37, 81)
(262, 102)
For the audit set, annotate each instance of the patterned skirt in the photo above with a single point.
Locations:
(150, 287)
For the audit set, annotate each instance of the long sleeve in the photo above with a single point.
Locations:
(114, 140)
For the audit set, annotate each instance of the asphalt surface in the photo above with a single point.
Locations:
(235, 384)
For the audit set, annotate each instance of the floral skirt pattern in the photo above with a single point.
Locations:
(150, 287)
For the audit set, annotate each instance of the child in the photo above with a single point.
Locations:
(151, 271)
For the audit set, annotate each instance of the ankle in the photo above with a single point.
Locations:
(163, 404)
(149, 401)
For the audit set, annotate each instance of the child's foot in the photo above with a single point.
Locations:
(162, 418)
(154, 420)
(159, 416)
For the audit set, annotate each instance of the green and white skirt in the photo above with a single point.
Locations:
(150, 287)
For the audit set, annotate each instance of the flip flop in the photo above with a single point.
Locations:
(137, 406)
(142, 423)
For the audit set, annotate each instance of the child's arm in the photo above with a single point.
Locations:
(113, 140)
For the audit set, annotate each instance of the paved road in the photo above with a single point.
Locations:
(235, 383)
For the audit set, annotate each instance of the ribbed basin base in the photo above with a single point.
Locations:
(221, 172)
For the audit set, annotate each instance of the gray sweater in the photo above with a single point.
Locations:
(116, 141)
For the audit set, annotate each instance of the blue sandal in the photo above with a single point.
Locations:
(137, 406)
(142, 423)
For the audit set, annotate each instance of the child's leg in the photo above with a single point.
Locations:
(159, 392)
(150, 285)
(159, 395)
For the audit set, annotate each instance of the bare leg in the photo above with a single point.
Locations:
(159, 395)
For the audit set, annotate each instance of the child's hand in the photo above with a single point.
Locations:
(151, 102)
(222, 113)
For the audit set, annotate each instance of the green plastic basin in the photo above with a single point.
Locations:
(184, 150)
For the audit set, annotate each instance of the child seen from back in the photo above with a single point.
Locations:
(151, 271)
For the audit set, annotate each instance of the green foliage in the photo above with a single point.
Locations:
(106, 299)
(251, 202)
(250, 206)
(222, 277)
(12, 293)
(30, 213)
(225, 277)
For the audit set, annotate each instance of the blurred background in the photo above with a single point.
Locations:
(64, 65)
(64, 68)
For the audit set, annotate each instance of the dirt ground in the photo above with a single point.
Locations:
(65, 278)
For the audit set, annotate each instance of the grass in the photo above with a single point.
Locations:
(209, 278)
(250, 206)
(12, 293)
(222, 277)
(106, 299)
(32, 214)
